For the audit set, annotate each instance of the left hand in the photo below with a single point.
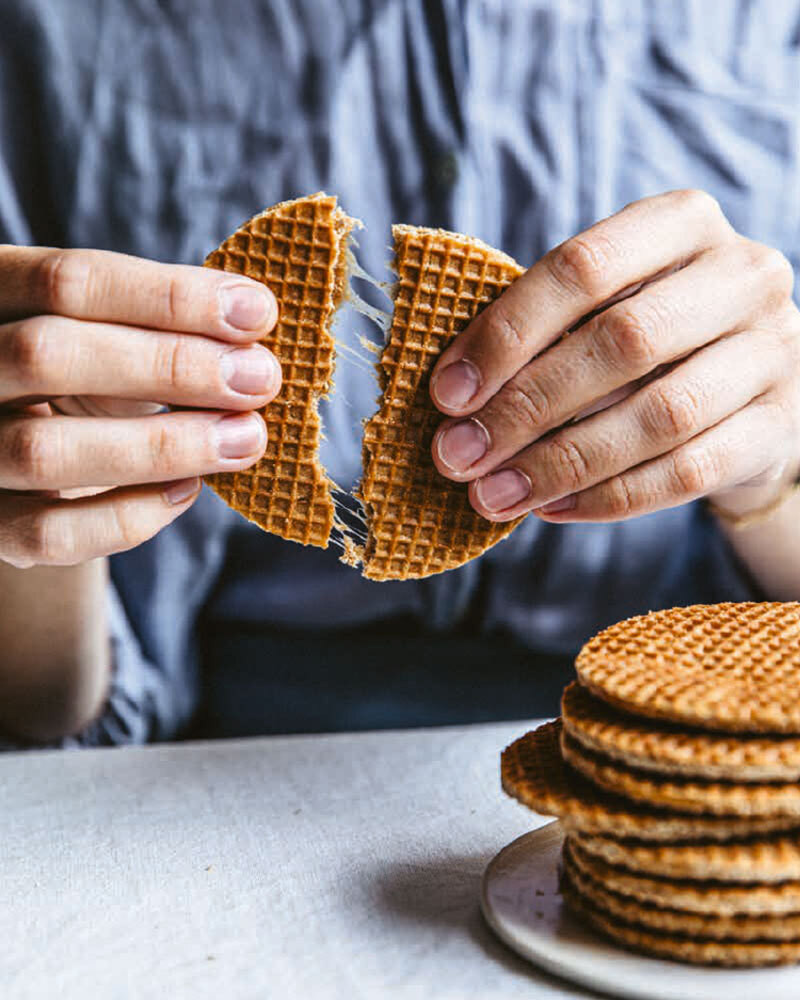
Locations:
(684, 378)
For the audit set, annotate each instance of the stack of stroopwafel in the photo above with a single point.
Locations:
(675, 771)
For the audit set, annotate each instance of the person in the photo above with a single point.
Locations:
(639, 157)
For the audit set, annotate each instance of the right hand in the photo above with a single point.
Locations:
(93, 344)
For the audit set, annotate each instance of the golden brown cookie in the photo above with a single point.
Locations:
(534, 773)
(708, 798)
(418, 522)
(716, 927)
(757, 859)
(732, 667)
(297, 249)
(658, 746)
(698, 951)
(711, 898)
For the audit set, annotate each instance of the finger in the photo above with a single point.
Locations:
(695, 395)
(571, 281)
(68, 452)
(47, 356)
(743, 447)
(716, 294)
(116, 288)
(39, 531)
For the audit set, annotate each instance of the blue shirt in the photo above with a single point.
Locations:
(157, 127)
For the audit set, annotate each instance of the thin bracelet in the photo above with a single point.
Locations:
(739, 521)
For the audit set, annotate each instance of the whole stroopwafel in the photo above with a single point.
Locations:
(710, 898)
(534, 773)
(420, 523)
(661, 747)
(714, 798)
(699, 951)
(733, 667)
(297, 248)
(764, 927)
(760, 859)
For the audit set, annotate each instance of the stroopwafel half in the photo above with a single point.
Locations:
(297, 249)
(418, 522)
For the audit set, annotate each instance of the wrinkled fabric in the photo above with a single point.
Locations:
(155, 127)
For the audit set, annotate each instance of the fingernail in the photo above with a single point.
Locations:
(503, 489)
(240, 435)
(251, 370)
(461, 445)
(456, 385)
(557, 506)
(182, 490)
(247, 307)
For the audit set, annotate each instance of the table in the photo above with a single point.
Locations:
(336, 866)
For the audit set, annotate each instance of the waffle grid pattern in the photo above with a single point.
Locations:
(715, 798)
(767, 859)
(692, 713)
(297, 248)
(533, 772)
(732, 667)
(710, 898)
(662, 748)
(717, 927)
(682, 948)
(419, 522)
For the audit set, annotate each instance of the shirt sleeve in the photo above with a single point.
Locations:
(136, 688)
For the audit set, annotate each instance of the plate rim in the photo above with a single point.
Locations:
(581, 976)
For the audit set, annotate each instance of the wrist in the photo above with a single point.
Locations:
(754, 503)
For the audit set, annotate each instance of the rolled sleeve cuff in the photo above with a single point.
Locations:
(136, 706)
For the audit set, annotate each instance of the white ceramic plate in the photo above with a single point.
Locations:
(522, 904)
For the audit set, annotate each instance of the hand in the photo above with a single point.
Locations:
(92, 345)
(681, 379)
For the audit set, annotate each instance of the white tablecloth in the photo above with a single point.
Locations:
(312, 867)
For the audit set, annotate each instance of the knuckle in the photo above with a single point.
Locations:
(674, 412)
(789, 338)
(504, 328)
(630, 343)
(619, 500)
(174, 365)
(127, 526)
(776, 269)
(64, 280)
(165, 449)
(580, 266)
(692, 471)
(175, 298)
(570, 465)
(49, 540)
(32, 452)
(699, 203)
(526, 403)
(27, 349)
